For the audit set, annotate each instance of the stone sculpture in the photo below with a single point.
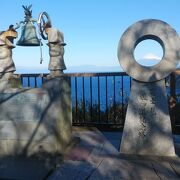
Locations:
(7, 66)
(147, 129)
(34, 121)
(56, 50)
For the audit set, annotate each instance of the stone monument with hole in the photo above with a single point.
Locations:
(147, 129)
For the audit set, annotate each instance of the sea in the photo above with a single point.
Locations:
(89, 90)
(103, 91)
(96, 91)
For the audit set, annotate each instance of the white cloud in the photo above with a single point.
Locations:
(151, 56)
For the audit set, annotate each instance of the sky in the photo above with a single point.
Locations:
(92, 28)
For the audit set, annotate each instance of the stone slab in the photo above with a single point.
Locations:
(176, 167)
(34, 120)
(73, 170)
(114, 168)
(23, 169)
(147, 129)
(165, 171)
(23, 104)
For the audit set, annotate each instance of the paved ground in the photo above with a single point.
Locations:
(22, 169)
(95, 157)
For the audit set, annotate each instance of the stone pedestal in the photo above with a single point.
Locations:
(35, 120)
(147, 129)
(12, 82)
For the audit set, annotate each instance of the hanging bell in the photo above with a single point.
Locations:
(28, 36)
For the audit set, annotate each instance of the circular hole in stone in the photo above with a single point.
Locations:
(148, 53)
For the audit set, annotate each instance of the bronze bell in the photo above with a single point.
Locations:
(29, 36)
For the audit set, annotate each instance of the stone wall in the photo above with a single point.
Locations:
(35, 120)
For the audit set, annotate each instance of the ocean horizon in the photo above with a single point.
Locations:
(70, 69)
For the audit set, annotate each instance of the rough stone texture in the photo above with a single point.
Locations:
(6, 45)
(9, 82)
(114, 168)
(149, 29)
(147, 129)
(23, 169)
(56, 50)
(36, 120)
(105, 163)
(70, 170)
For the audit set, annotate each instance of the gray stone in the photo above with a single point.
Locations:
(23, 168)
(6, 62)
(176, 167)
(9, 80)
(147, 129)
(114, 168)
(56, 51)
(73, 170)
(6, 45)
(36, 120)
(31, 102)
(165, 171)
(149, 29)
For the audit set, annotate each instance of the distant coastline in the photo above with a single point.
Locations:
(70, 69)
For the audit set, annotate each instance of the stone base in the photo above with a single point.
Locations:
(12, 81)
(36, 120)
(147, 129)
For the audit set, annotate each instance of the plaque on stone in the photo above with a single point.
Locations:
(147, 129)
(22, 105)
(36, 120)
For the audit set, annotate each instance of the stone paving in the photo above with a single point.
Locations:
(96, 158)
(23, 169)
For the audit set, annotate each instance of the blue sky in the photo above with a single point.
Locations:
(92, 28)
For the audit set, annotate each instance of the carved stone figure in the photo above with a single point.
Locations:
(7, 66)
(56, 51)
